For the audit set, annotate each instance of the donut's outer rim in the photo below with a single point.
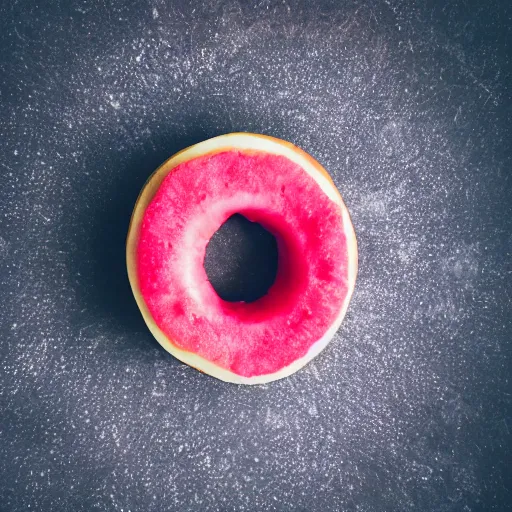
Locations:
(244, 142)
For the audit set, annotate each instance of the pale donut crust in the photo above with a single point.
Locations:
(244, 142)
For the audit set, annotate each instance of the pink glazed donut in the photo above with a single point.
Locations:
(274, 183)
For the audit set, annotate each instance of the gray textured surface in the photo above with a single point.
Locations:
(408, 105)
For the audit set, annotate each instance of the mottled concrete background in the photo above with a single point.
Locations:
(408, 105)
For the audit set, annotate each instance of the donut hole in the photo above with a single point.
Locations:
(289, 270)
(241, 260)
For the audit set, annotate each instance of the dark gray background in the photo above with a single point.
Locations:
(408, 105)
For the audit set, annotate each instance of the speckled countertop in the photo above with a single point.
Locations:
(408, 105)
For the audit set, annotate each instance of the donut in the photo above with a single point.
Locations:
(182, 205)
